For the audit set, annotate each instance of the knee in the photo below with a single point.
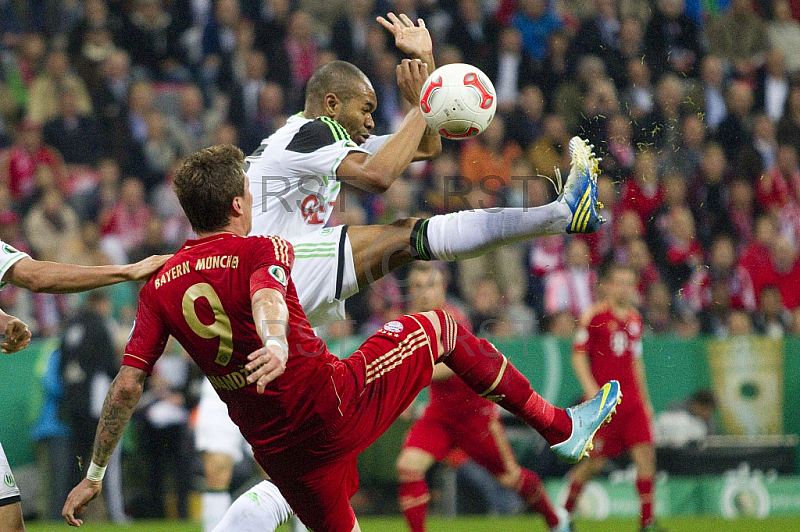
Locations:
(409, 468)
(509, 478)
(404, 223)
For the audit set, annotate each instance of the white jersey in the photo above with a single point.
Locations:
(8, 257)
(293, 176)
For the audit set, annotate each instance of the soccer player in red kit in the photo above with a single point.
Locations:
(608, 345)
(231, 303)
(458, 418)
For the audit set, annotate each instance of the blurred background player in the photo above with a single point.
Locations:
(19, 269)
(608, 345)
(458, 418)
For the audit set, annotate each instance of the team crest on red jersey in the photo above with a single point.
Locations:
(393, 327)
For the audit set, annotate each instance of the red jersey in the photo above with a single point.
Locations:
(452, 397)
(22, 169)
(612, 343)
(202, 297)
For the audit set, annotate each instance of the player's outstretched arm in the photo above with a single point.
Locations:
(17, 334)
(377, 172)
(121, 401)
(271, 317)
(58, 278)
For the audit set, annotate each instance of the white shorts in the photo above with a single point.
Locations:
(324, 274)
(214, 431)
(9, 491)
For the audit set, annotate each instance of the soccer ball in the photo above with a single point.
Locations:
(458, 101)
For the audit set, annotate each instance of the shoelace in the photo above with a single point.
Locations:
(558, 181)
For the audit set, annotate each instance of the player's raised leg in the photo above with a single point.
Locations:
(466, 234)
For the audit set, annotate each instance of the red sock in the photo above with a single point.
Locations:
(488, 372)
(414, 503)
(645, 487)
(532, 491)
(575, 489)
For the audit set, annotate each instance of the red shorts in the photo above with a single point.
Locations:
(481, 437)
(630, 426)
(376, 384)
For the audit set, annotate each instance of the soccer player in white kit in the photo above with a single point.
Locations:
(295, 177)
(19, 269)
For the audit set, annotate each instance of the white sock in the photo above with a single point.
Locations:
(262, 508)
(467, 234)
(215, 504)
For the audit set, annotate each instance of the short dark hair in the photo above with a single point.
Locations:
(206, 184)
(337, 77)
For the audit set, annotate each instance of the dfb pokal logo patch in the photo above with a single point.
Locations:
(393, 327)
(278, 274)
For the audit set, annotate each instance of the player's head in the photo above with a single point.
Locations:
(341, 91)
(427, 287)
(619, 285)
(213, 190)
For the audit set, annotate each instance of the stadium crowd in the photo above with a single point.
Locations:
(693, 105)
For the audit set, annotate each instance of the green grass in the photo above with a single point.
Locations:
(479, 524)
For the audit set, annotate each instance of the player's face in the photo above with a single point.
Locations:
(356, 113)
(426, 291)
(622, 287)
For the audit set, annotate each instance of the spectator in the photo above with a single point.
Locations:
(18, 164)
(637, 98)
(535, 21)
(600, 102)
(88, 364)
(643, 194)
(488, 315)
(550, 150)
(554, 70)
(708, 194)
(110, 93)
(689, 421)
(477, 36)
(243, 110)
(772, 86)
(76, 136)
(390, 113)
(270, 117)
(755, 257)
(301, 49)
(601, 242)
(128, 131)
(572, 288)
(50, 224)
(525, 121)
(788, 129)
(351, 31)
(161, 149)
(42, 106)
(620, 149)
(716, 320)
(682, 253)
(783, 33)
(218, 42)
(780, 185)
(686, 159)
(672, 40)
(511, 69)
(98, 47)
(194, 126)
(568, 100)
(785, 270)
(743, 49)
(95, 15)
(125, 223)
(735, 132)
(708, 94)
(722, 267)
(165, 442)
(561, 325)
(661, 127)
(741, 211)
(739, 324)
(754, 160)
(641, 261)
(599, 34)
(487, 161)
(772, 319)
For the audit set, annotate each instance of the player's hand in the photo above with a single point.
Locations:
(78, 500)
(18, 336)
(266, 364)
(414, 41)
(142, 270)
(411, 75)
